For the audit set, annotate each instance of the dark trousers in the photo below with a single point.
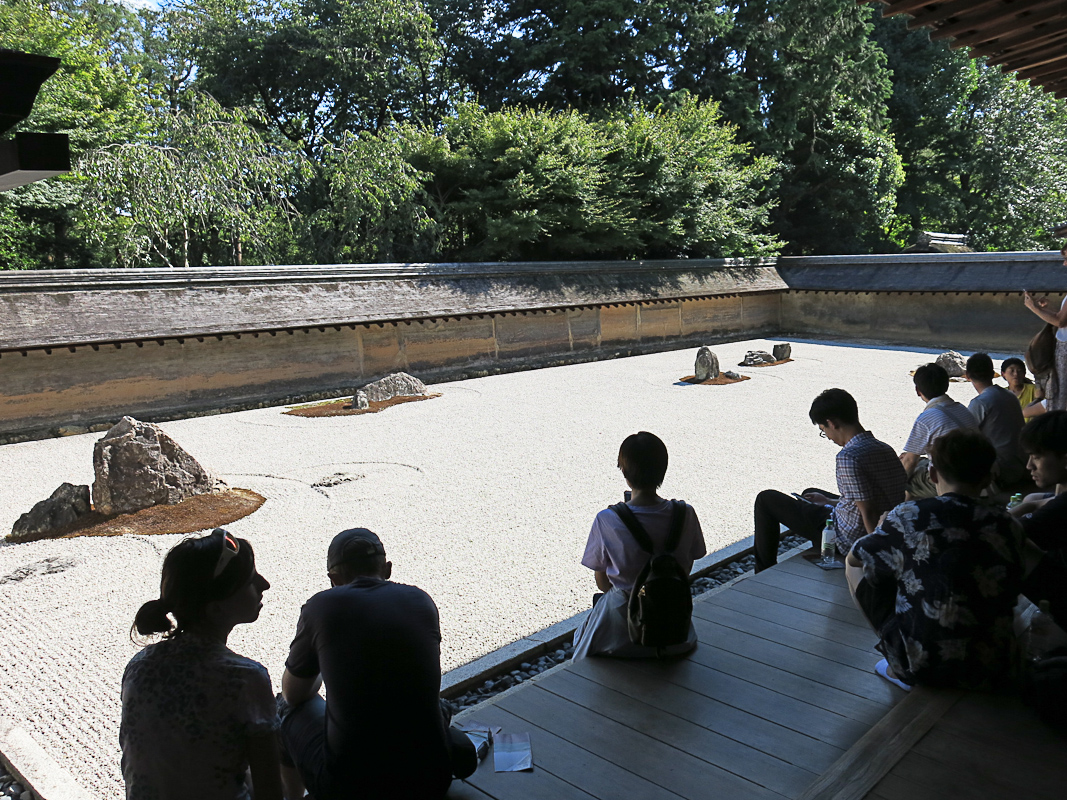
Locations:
(303, 740)
(773, 509)
(1048, 581)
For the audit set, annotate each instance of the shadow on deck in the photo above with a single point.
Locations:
(779, 700)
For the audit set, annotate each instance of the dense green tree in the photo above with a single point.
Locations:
(209, 190)
(96, 97)
(984, 154)
(320, 68)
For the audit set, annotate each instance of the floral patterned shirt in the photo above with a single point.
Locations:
(189, 707)
(948, 571)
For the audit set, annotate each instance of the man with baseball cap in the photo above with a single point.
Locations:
(380, 732)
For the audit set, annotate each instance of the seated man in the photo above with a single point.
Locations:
(376, 644)
(1000, 418)
(1045, 524)
(870, 479)
(617, 559)
(939, 579)
(941, 415)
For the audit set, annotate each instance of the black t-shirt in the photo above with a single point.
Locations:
(1047, 527)
(377, 645)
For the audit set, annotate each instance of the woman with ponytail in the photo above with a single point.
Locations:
(198, 720)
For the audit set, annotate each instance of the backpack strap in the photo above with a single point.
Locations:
(678, 514)
(639, 533)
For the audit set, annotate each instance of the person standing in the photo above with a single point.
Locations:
(1056, 386)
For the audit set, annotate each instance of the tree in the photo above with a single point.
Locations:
(320, 68)
(805, 85)
(95, 97)
(984, 154)
(212, 190)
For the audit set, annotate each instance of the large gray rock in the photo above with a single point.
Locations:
(707, 365)
(63, 508)
(952, 362)
(782, 351)
(399, 384)
(138, 466)
(755, 357)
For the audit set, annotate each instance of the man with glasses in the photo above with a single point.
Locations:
(870, 479)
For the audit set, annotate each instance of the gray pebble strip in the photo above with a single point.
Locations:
(11, 788)
(527, 669)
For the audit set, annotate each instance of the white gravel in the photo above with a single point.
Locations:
(483, 497)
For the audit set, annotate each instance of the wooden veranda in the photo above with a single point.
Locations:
(780, 700)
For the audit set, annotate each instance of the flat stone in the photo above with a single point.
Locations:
(731, 375)
(64, 507)
(138, 466)
(707, 364)
(755, 357)
(72, 430)
(399, 384)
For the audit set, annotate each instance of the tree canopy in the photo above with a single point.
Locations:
(318, 131)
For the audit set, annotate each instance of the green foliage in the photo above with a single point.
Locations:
(984, 154)
(319, 68)
(210, 190)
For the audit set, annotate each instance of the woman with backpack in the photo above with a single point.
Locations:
(660, 616)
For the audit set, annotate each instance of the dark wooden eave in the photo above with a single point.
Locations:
(1028, 37)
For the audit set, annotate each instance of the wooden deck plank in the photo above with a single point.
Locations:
(657, 762)
(815, 691)
(848, 614)
(799, 565)
(865, 764)
(919, 769)
(796, 715)
(893, 787)
(863, 683)
(831, 593)
(805, 641)
(461, 790)
(564, 763)
(674, 727)
(756, 732)
(1003, 723)
(799, 619)
(1005, 767)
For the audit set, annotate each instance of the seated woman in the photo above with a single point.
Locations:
(939, 577)
(198, 720)
(1014, 372)
(617, 559)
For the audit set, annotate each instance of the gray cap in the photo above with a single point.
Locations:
(351, 544)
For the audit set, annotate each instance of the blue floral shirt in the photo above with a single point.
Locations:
(948, 572)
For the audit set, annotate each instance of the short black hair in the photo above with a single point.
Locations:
(1012, 362)
(1046, 433)
(835, 404)
(931, 380)
(643, 460)
(964, 455)
(980, 367)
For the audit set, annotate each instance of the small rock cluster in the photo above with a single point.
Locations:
(527, 669)
(399, 384)
(780, 352)
(11, 789)
(952, 362)
(136, 465)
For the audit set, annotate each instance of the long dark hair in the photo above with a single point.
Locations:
(189, 584)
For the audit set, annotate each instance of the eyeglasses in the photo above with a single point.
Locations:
(230, 548)
(822, 433)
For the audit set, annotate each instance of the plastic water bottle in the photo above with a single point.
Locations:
(1041, 632)
(1016, 499)
(829, 538)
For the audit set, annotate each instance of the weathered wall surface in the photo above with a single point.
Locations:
(83, 348)
(44, 388)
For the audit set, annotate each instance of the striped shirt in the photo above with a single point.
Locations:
(867, 470)
(941, 415)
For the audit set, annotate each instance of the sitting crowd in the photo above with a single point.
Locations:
(933, 558)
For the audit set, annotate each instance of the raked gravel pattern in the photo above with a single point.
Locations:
(483, 497)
